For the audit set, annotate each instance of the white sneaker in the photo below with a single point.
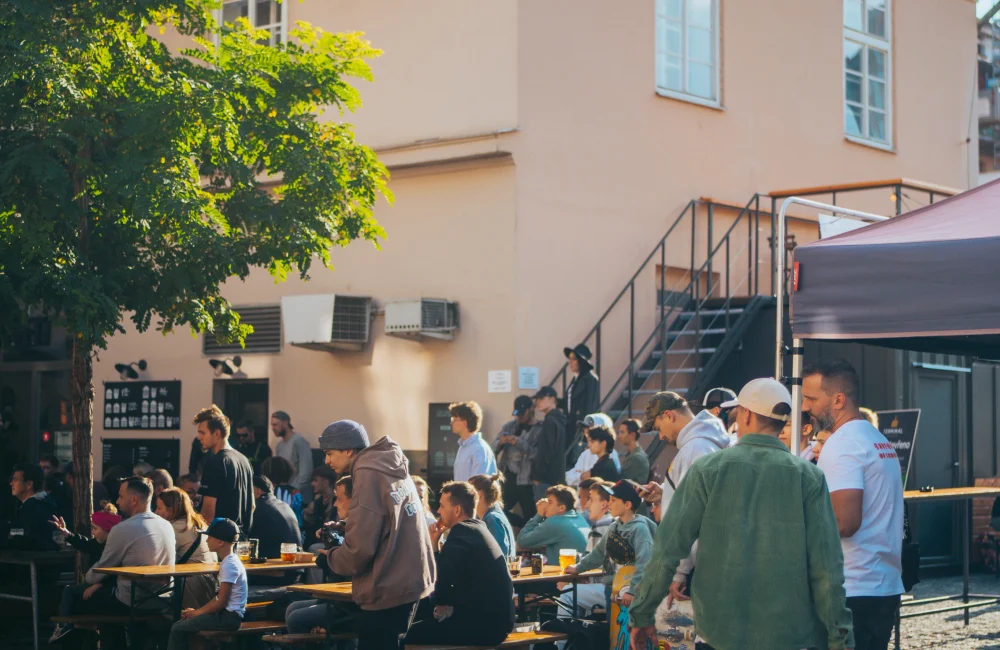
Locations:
(61, 630)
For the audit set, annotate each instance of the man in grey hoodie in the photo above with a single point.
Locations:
(695, 436)
(387, 548)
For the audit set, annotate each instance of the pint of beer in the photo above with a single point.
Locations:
(567, 557)
(288, 552)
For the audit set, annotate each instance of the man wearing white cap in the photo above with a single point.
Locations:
(770, 569)
(588, 459)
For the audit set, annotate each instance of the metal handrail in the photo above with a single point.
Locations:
(629, 286)
(693, 286)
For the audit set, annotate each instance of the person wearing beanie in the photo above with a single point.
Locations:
(387, 547)
(101, 524)
(625, 547)
(274, 524)
(225, 612)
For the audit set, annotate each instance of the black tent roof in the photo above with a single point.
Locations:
(928, 280)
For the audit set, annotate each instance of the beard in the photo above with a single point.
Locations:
(824, 419)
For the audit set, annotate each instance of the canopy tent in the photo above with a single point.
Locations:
(927, 280)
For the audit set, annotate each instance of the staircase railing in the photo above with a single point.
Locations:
(694, 300)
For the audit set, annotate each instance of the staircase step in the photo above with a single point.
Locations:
(673, 371)
(691, 331)
(713, 312)
(656, 354)
(647, 391)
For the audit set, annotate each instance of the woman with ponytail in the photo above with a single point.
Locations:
(489, 508)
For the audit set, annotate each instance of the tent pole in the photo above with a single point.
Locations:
(798, 352)
(778, 256)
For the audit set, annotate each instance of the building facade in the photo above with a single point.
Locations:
(539, 151)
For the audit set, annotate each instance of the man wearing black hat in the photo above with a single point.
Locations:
(583, 395)
(512, 448)
(387, 548)
(548, 463)
(274, 522)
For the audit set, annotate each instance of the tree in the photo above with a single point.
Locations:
(135, 180)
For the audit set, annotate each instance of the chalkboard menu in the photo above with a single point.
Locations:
(442, 444)
(900, 429)
(161, 454)
(142, 405)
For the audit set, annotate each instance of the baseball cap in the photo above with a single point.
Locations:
(597, 420)
(764, 396)
(224, 530)
(716, 396)
(665, 400)
(521, 404)
(545, 391)
(627, 491)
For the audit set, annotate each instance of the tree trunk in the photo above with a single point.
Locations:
(82, 387)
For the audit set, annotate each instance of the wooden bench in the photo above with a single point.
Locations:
(96, 622)
(304, 639)
(247, 628)
(513, 640)
(256, 607)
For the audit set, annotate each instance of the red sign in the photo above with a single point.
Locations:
(795, 276)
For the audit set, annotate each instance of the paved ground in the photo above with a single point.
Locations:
(947, 630)
(923, 632)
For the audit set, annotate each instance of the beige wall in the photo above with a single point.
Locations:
(605, 165)
(534, 251)
(387, 387)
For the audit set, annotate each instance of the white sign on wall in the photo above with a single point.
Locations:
(499, 381)
(527, 378)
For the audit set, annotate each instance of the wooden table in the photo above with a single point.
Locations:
(32, 559)
(966, 494)
(341, 591)
(179, 572)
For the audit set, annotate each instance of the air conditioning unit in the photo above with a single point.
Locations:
(326, 321)
(431, 317)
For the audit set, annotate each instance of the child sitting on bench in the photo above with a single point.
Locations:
(224, 612)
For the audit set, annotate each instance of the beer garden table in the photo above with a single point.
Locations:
(965, 494)
(341, 591)
(32, 559)
(179, 572)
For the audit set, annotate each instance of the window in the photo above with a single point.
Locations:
(262, 14)
(867, 72)
(687, 50)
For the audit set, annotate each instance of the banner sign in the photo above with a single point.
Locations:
(900, 429)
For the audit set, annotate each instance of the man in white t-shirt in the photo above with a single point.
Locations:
(866, 489)
(224, 612)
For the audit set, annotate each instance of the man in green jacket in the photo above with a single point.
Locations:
(557, 525)
(770, 568)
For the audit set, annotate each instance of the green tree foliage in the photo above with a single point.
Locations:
(135, 180)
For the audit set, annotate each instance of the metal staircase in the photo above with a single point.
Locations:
(704, 288)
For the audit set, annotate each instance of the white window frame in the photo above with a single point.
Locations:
(252, 17)
(660, 27)
(867, 41)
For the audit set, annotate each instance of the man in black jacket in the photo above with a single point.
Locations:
(548, 465)
(473, 595)
(32, 527)
(274, 523)
(583, 395)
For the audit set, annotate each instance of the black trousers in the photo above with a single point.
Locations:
(102, 603)
(381, 629)
(874, 618)
(514, 494)
(457, 630)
